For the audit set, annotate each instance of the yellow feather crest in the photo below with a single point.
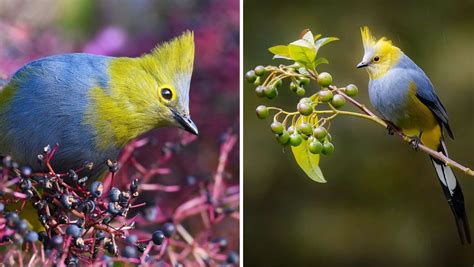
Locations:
(175, 57)
(370, 42)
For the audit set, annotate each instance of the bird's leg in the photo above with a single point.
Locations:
(415, 141)
(391, 128)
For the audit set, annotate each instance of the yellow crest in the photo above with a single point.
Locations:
(371, 43)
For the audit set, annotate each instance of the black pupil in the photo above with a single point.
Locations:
(166, 93)
(376, 58)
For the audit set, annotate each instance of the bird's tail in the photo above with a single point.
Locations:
(452, 191)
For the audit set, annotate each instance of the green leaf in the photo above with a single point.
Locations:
(303, 55)
(324, 41)
(308, 161)
(280, 51)
(320, 61)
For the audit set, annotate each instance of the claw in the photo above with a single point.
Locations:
(390, 129)
(415, 142)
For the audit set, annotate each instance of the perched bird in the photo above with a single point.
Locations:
(92, 106)
(405, 97)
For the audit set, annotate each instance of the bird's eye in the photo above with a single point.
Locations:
(376, 59)
(166, 93)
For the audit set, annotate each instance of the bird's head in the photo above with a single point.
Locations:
(144, 93)
(379, 55)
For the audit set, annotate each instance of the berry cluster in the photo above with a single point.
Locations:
(306, 122)
(77, 221)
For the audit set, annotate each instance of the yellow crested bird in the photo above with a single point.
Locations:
(405, 97)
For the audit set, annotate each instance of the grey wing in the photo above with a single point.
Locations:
(427, 96)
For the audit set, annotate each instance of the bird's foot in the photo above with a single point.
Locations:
(415, 142)
(390, 129)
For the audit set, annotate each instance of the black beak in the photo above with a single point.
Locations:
(362, 65)
(185, 122)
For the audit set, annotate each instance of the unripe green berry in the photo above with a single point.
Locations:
(290, 130)
(320, 132)
(262, 112)
(338, 101)
(300, 91)
(277, 127)
(260, 70)
(324, 79)
(328, 148)
(305, 128)
(325, 96)
(351, 90)
(295, 139)
(283, 138)
(270, 92)
(278, 83)
(315, 147)
(250, 76)
(257, 81)
(304, 109)
(305, 100)
(259, 91)
(304, 81)
(293, 86)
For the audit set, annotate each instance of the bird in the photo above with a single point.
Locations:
(91, 106)
(405, 97)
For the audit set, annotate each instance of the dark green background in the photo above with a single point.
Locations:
(382, 205)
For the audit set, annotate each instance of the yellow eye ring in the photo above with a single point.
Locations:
(376, 59)
(167, 93)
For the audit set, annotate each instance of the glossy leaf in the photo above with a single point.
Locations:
(280, 51)
(308, 161)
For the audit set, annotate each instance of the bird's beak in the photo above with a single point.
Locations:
(362, 65)
(185, 122)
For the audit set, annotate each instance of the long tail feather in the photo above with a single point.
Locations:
(452, 191)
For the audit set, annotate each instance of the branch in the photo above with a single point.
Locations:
(438, 155)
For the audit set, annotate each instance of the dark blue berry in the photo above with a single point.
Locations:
(114, 194)
(31, 236)
(96, 188)
(157, 237)
(129, 252)
(131, 239)
(168, 229)
(73, 230)
(232, 258)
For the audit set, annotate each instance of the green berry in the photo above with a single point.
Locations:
(270, 92)
(295, 139)
(250, 76)
(278, 83)
(290, 129)
(305, 109)
(293, 86)
(305, 100)
(283, 138)
(304, 81)
(260, 70)
(338, 101)
(300, 91)
(262, 112)
(328, 148)
(257, 82)
(324, 79)
(260, 91)
(351, 90)
(305, 128)
(319, 133)
(277, 127)
(325, 96)
(315, 147)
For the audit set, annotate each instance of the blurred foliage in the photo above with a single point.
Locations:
(382, 204)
